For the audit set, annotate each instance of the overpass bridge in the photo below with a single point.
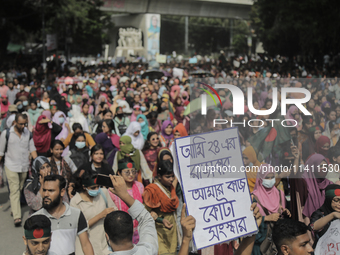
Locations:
(228, 9)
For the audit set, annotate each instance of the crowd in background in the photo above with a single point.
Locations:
(119, 120)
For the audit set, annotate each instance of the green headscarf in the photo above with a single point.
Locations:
(129, 149)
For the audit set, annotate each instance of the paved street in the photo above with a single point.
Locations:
(11, 242)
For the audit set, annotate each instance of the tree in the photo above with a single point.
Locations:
(290, 27)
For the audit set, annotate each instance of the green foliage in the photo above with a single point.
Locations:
(290, 27)
(81, 20)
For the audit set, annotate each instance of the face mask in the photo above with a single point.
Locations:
(27, 89)
(108, 245)
(120, 115)
(143, 123)
(143, 108)
(38, 105)
(102, 88)
(93, 193)
(164, 108)
(80, 145)
(5, 102)
(69, 114)
(19, 106)
(171, 82)
(309, 86)
(25, 103)
(268, 183)
(61, 120)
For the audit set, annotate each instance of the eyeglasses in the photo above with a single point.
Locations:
(336, 200)
(155, 139)
(23, 124)
(128, 172)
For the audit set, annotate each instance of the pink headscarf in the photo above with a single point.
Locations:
(315, 186)
(172, 93)
(290, 116)
(269, 198)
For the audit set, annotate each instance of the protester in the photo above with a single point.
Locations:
(118, 225)
(16, 146)
(95, 203)
(37, 235)
(127, 170)
(150, 149)
(161, 200)
(64, 219)
(134, 131)
(166, 136)
(81, 153)
(78, 129)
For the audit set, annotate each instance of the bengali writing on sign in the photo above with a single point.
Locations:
(220, 204)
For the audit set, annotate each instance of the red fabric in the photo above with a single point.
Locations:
(115, 140)
(42, 135)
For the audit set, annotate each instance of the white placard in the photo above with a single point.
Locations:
(329, 243)
(219, 200)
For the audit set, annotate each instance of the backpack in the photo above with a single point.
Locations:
(121, 127)
(7, 138)
(268, 247)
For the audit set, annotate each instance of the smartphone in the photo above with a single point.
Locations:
(291, 141)
(104, 180)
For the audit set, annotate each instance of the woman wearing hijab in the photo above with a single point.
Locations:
(166, 136)
(142, 120)
(128, 150)
(250, 160)
(163, 153)
(270, 201)
(41, 167)
(108, 140)
(316, 183)
(293, 114)
(61, 119)
(45, 133)
(308, 146)
(332, 132)
(179, 114)
(322, 218)
(136, 111)
(322, 146)
(34, 112)
(155, 125)
(134, 131)
(77, 117)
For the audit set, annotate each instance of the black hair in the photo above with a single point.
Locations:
(55, 142)
(285, 231)
(80, 175)
(165, 167)
(55, 177)
(331, 125)
(124, 160)
(118, 225)
(39, 221)
(153, 115)
(105, 111)
(147, 144)
(76, 135)
(110, 124)
(95, 148)
(306, 120)
(333, 152)
(76, 126)
(20, 115)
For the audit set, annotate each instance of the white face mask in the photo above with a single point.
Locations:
(268, 183)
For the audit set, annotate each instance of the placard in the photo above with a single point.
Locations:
(329, 243)
(161, 58)
(214, 186)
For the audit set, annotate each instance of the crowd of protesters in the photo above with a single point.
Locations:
(118, 121)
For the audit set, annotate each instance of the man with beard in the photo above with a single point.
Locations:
(37, 236)
(17, 144)
(67, 222)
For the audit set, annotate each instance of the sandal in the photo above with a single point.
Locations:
(17, 222)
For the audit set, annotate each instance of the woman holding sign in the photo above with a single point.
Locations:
(161, 200)
(330, 210)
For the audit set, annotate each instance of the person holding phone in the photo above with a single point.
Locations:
(95, 203)
(127, 170)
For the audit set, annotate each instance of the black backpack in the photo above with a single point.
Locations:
(121, 127)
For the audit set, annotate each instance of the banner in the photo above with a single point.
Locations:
(153, 25)
(329, 243)
(214, 187)
(161, 59)
(51, 42)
